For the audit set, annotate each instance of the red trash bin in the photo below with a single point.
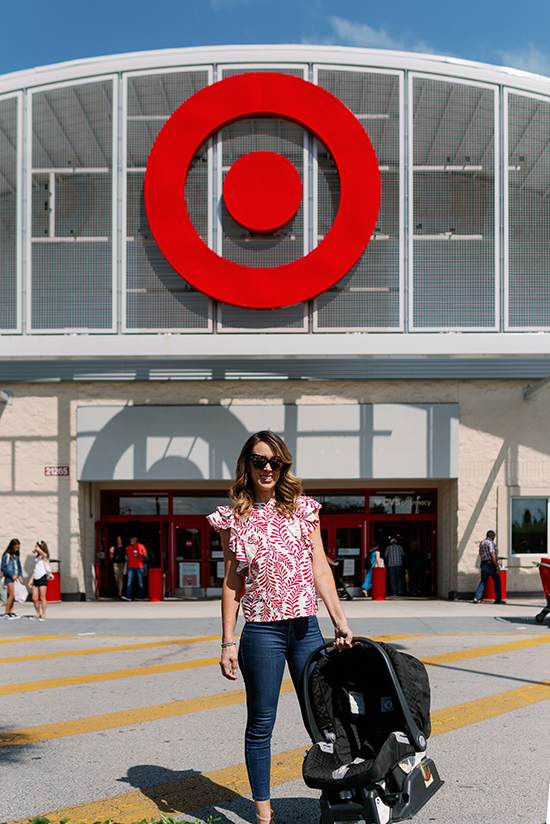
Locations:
(489, 591)
(155, 584)
(53, 591)
(378, 584)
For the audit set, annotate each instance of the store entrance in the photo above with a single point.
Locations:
(405, 533)
(152, 534)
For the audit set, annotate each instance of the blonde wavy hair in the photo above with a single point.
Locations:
(287, 490)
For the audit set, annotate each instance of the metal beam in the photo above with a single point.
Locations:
(530, 392)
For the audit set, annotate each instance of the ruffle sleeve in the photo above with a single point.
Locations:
(307, 510)
(224, 518)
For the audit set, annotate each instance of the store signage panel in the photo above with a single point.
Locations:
(261, 192)
(329, 441)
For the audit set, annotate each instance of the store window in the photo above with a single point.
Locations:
(134, 503)
(340, 503)
(529, 526)
(198, 504)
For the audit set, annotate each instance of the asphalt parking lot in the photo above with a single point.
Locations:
(118, 711)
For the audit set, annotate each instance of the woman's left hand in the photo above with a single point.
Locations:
(343, 636)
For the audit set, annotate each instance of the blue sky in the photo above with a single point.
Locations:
(505, 33)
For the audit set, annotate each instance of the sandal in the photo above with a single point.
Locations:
(271, 817)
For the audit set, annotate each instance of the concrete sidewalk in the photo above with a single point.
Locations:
(202, 617)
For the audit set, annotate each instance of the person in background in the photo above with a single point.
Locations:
(136, 554)
(394, 555)
(11, 570)
(117, 554)
(39, 579)
(372, 560)
(416, 564)
(275, 565)
(489, 568)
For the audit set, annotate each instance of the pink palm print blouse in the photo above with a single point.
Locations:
(275, 558)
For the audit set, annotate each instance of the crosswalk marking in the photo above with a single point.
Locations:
(219, 786)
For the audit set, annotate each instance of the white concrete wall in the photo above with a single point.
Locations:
(504, 446)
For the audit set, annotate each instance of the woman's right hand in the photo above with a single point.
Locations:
(229, 663)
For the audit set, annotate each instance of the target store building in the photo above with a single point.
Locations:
(348, 246)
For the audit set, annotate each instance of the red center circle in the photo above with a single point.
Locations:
(262, 191)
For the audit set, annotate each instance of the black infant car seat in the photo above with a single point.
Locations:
(368, 714)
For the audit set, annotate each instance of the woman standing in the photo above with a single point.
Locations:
(11, 570)
(39, 578)
(372, 560)
(274, 565)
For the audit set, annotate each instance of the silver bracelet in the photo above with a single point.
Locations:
(229, 644)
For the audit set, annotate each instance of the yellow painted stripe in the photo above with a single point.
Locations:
(207, 789)
(124, 718)
(17, 639)
(73, 680)
(96, 651)
(479, 652)
(80, 726)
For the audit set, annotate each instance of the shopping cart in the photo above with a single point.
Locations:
(544, 569)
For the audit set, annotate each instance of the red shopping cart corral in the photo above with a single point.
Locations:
(544, 569)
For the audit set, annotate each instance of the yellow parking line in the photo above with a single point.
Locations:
(124, 718)
(95, 651)
(17, 639)
(69, 681)
(72, 680)
(219, 786)
(480, 652)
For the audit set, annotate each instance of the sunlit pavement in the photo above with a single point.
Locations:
(117, 710)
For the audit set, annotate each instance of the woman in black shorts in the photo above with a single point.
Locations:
(39, 579)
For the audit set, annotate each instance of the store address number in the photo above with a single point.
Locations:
(56, 471)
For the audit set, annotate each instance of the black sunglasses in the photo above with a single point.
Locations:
(260, 462)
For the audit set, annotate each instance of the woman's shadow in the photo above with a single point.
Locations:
(190, 792)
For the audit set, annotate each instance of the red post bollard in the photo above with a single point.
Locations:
(155, 584)
(489, 591)
(379, 584)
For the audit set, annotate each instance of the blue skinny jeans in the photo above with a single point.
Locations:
(263, 650)
(134, 572)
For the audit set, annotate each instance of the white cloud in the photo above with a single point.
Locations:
(360, 34)
(528, 59)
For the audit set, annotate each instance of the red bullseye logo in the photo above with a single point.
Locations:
(262, 190)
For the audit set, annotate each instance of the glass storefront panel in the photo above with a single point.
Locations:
(198, 505)
(134, 503)
(341, 503)
(529, 526)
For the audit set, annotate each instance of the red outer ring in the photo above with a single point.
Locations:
(262, 95)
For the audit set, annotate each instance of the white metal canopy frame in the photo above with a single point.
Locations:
(458, 265)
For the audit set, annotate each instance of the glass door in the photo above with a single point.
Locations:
(215, 561)
(189, 557)
(344, 542)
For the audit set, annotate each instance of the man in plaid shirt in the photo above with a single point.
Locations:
(394, 555)
(489, 568)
